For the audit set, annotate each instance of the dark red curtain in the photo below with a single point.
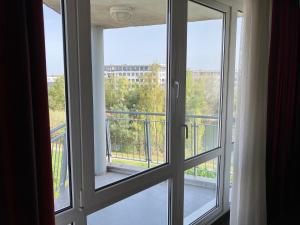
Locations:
(283, 134)
(25, 156)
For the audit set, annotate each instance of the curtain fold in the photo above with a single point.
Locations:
(283, 149)
(25, 155)
(248, 203)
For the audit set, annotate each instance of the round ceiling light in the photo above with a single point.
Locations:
(121, 14)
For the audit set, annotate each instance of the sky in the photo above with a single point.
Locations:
(141, 45)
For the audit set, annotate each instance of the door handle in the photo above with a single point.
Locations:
(186, 131)
(177, 85)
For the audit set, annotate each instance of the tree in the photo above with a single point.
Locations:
(194, 95)
(146, 96)
(202, 94)
(151, 94)
(56, 94)
(116, 93)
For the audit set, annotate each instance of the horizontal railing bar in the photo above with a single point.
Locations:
(159, 114)
(57, 128)
(128, 158)
(136, 113)
(135, 159)
(136, 120)
(57, 137)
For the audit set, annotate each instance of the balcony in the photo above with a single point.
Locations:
(135, 142)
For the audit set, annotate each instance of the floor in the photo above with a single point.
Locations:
(224, 220)
(148, 207)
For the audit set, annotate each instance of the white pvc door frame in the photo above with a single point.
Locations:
(78, 56)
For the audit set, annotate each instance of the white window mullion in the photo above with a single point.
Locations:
(177, 70)
(224, 115)
(231, 29)
(86, 101)
(71, 54)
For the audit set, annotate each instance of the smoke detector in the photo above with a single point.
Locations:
(121, 14)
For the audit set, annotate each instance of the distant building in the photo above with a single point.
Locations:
(134, 73)
(52, 78)
(199, 73)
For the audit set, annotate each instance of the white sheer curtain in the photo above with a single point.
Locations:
(248, 203)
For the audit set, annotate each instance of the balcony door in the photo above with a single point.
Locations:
(204, 106)
(147, 96)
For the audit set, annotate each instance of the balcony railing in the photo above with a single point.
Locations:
(139, 137)
(59, 155)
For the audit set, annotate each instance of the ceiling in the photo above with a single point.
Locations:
(144, 12)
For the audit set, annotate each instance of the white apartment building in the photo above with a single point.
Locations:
(52, 78)
(134, 72)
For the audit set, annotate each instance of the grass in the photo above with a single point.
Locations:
(208, 170)
(56, 169)
(133, 163)
(201, 173)
(57, 118)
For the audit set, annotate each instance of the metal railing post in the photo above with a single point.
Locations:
(148, 142)
(108, 140)
(195, 140)
(204, 139)
(64, 164)
(195, 137)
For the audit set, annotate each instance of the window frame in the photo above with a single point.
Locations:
(80, 104)
(219, 152)
(69, 215)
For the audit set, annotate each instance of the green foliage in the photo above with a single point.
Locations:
(123, 95)
(151, 94)
(147, 96)
(127, 131)
(202, 94)
(57, 118)
(56, 95)
(202, 173)
(194, 95)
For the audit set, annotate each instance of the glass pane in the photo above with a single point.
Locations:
(231, 173)
(237, 70)
(57, 104)
(148, 207)
(203, 78)
(235, 96)
(200, 190)
(129, 87)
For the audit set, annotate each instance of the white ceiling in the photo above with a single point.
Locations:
(145, 12)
